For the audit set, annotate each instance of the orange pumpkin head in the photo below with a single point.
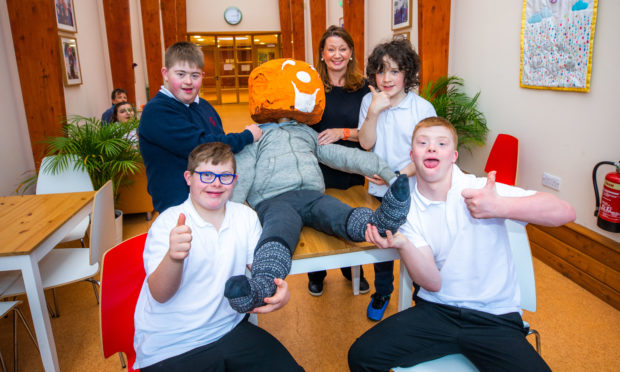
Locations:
(286, 88)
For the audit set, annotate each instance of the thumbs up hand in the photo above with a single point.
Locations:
(380, 101)
(180, 240)
(484, 202)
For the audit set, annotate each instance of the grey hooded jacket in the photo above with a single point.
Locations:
(286, 158)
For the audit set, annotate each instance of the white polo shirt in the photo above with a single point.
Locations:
(395, 127)
(198, 313)
(473, 255)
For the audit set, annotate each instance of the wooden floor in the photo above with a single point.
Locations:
(579, 331)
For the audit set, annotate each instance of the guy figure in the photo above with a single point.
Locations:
(177, 120)
(455, 246)
(118, 96)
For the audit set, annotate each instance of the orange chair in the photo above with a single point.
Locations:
(504, 158)
(122, 276)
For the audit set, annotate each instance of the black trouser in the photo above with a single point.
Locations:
(429, 331)
(245, 348)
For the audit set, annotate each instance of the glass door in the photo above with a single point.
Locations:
(229, 60)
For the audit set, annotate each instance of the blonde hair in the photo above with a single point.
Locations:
(436, 121)
(211, 152)
(184, 51)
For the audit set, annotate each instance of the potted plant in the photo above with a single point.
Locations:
(461, 110)
(107, 151)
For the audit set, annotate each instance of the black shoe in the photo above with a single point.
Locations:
(315, 287)
(364, 287)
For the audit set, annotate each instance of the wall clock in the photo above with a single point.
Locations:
(232, 15)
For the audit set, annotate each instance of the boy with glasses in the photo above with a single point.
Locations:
(182, 320)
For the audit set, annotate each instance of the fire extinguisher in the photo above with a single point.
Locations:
(609, 211)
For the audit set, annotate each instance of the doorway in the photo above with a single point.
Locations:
(229, 59)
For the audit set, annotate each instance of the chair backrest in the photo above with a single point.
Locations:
(522, 256)
(71, 179)
(122, 276)
(504, 158)
(102, 228)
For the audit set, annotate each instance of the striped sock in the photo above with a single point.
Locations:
(271, 260)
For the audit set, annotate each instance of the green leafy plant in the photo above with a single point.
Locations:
(461, 110)
(105, 151)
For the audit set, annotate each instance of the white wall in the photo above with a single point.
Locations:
(208, 16)
(15, 149)
(92, 97)
(562, 133)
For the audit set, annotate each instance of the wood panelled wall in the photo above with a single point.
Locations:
(318, 25)
(152, 44)
(39, 63)
(118, 31)
(174, 21)
(433, 39)
(353, 15)
(292, 29)
(582, 255)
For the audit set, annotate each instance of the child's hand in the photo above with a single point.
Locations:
(372, 235)
(380, 101)
(180, 240)
(483, 203)
(277, 301)
(257, 133)
(329, 136)
(376, 180)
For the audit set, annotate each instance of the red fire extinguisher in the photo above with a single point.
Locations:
(609, 211)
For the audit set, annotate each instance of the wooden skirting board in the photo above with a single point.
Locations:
(582, 255)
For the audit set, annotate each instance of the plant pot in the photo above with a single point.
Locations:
(118, 221)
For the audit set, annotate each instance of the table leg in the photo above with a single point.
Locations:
(40, 317)
(355, 279)
(405, 288)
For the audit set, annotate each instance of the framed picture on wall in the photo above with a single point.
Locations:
(401, 36)
(72, 73)
(401, 14)
(65, 15)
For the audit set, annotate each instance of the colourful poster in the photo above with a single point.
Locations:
(556, 44)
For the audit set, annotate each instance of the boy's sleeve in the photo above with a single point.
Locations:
(409, 230)
(246, 169)
(364, 109)
(157, 243)
(167, 127)
(353, 160)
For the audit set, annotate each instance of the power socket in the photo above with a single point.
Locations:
(551, 181)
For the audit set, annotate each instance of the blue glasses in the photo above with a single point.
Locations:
(209, 177)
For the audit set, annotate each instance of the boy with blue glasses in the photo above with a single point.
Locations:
(182, 320)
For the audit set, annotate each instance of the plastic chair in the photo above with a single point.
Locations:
(522, 257)
(122, 276)
(69, 180)
(68, 265)
(504, 158)
(5, 308)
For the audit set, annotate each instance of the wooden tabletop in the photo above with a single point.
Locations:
(26, 221)
(313, 243)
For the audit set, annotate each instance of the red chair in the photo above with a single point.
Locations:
(122, 276)
(504, 158)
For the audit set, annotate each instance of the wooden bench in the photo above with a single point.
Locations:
(318, 251)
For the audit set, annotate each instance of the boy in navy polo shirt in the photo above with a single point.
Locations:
(177, 120)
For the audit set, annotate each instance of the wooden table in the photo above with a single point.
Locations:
(318, 251)
(31, 226)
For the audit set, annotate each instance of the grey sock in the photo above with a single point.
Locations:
(271, 260)
(356, 223)
(390, 215)
(392, 212)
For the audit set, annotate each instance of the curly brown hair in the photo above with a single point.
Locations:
(401, 52)
(353, 78)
